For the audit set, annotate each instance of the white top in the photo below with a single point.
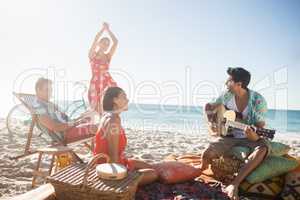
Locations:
(231, 104)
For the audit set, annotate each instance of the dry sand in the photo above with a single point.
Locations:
(147, 145)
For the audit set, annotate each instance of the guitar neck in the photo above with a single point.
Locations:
(237, 125)
(260, 131)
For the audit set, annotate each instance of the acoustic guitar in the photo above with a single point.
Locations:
(223, 121)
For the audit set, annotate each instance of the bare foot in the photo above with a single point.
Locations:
(232, 192)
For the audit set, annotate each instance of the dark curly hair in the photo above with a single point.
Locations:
(239, 74)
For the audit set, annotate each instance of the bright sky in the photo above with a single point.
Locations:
(158, 39)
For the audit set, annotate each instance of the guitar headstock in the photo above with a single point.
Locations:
(269, 133)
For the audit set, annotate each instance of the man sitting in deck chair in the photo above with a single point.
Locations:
(56, 121)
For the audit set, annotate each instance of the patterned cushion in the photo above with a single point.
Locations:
(271, 167)
(264, 190)
(291, 189)
(279, 149)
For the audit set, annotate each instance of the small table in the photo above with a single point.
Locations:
(54, 152)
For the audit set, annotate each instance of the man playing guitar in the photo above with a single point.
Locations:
(251, 108)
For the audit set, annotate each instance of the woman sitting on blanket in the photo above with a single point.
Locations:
(111, 138)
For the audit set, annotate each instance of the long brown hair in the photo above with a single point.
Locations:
(108, 98)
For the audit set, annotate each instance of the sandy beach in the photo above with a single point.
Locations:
(147, 145)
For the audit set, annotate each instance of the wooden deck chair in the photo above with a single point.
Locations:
(28, 101)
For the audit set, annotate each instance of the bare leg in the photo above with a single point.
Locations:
(216, 149)
(149, 173)
(207, 156)
(253, 161)
(205, 161)
(149, 176)
(98, 108)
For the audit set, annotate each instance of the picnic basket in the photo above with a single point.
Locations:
(80, 181)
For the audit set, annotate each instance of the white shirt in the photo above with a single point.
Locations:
(231, 104)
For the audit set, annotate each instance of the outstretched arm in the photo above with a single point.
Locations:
(94, 45)
(114, 40)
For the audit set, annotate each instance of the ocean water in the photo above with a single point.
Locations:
(188, 119)
(191, 119)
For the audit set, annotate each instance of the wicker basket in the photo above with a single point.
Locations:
(80, 182)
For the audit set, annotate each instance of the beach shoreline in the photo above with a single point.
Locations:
(151, 146)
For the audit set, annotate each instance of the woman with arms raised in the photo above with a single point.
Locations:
(100, 56)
